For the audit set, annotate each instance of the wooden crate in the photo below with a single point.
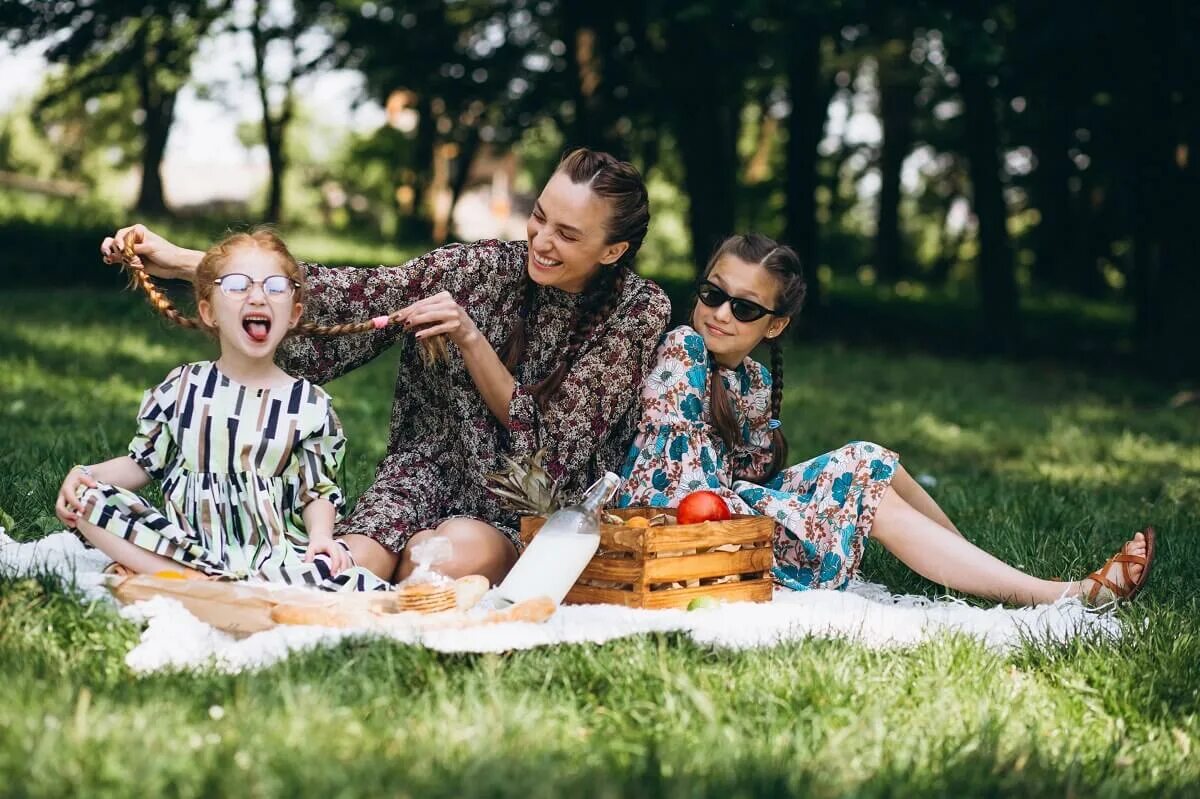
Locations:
(668, 566)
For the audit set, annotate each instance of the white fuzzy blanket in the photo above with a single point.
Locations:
(866, 613)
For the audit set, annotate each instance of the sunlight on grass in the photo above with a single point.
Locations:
(1045, 466)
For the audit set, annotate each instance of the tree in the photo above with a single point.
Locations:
(286, 34)
(103, 45)
(975, 51)
(898, 78)
(462, 68)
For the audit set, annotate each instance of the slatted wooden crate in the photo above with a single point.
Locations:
(668, 566)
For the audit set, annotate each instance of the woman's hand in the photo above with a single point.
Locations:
(160, 257)
(68, 507)
(439, 314)
(323, 544)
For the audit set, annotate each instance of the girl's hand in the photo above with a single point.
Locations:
(440, 314)
(160, 257)
(68, 507)
(323, 544)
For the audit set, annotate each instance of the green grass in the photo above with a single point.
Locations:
(1048, 467)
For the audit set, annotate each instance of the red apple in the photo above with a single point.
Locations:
(702, 506)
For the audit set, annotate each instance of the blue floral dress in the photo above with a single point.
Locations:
(823, 508)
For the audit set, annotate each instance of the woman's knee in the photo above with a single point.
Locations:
(371, 555)
(476, 548)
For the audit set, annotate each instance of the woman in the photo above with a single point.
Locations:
(553, 338)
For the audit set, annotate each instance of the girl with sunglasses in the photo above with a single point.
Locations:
(710, 421)
(245, 454)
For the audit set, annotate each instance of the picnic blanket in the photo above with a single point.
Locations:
(866, 613)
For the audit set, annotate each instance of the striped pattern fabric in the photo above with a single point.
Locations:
(237, 466)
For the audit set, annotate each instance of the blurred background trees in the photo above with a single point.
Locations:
(991, 162)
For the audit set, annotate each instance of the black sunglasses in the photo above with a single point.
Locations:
(743, 310)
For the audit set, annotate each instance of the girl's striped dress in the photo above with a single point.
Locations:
(237, 466)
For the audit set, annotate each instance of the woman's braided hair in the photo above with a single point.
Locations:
(210, 267)
(620, 183)
(784, 264)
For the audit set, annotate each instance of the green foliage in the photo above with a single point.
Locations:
(1046, 467)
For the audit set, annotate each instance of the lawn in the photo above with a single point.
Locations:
(1047, 466)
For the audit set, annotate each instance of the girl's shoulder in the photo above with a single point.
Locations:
(683, 343)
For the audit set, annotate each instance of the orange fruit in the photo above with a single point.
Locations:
(637, 521)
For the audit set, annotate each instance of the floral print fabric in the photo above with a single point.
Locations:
(443, 438)
(823, 508)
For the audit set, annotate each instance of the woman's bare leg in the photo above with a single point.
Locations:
(371, 555)
(478, 548)
(948, 559)
(915, 495)
(130, 555)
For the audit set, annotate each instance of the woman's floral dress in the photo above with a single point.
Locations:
(237, 466)
(823, 508)
(443, 436)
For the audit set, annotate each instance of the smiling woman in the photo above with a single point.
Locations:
(551, 340)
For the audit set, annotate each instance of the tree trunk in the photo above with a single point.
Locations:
(897, 105)
(707, 136)
(810, 105)
(706, 93)
(1166, 189)
(462, 166)
(419, 224)
(997, 279)
(158, 104)
(582, 36)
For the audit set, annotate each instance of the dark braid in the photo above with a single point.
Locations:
(721, 407)
(622, 186)
(779, 444)
(512, 352)
(601, 299)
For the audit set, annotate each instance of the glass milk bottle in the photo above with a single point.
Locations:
(561, 550)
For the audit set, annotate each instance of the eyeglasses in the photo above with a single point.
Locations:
(743, 310)
(274, 287)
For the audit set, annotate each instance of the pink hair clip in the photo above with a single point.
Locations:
(380, 322)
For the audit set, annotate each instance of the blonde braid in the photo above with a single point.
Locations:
(433, 349)
(138, 278)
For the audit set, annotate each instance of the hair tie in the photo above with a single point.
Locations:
(380, 322)
(773, 424)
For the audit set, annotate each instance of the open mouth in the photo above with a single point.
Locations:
(257, 326)
(545, 263)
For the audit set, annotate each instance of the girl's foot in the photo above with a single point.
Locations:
(1123, 575)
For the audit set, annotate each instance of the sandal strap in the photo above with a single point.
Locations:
(1100, 580)
(1099, 583)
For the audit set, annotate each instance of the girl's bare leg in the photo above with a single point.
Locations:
(915, 494)
(128, 554)
(479, 548)
(948, 559)
(371, 555)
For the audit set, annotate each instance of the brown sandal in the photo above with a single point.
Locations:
(1121, 593)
